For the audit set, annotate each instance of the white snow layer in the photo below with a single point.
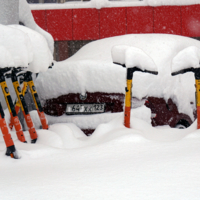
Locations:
(17, 45)
(187, 58)
(132, 57)
(93, 64)
(24, 48)
(42, 57)
(114, 163)
(26, 17)
(98, 4)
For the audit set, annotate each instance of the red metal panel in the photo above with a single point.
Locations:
(167, 19)
(59, 24)
(191, 20)
(140, 19)
(85, 24)
(112, 22)
(40, 18)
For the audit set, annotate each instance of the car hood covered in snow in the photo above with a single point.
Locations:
(91, 69)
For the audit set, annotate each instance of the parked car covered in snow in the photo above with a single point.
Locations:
(88, 88)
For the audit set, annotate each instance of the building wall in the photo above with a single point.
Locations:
(9, 12)
(72, 28)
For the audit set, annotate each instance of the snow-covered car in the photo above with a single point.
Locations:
(88, 88)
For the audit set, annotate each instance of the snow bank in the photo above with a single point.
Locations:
(114, 163)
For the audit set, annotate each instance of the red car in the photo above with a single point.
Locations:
(87, 89)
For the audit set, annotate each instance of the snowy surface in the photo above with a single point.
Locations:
(98, 4)
(24, 48)
(114, 163)
(91, 69)
(18, 47)
(187, 58)
(132, 57)
(42, 57)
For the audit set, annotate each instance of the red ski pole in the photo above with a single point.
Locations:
(10, 105)
(29, 80)
(32, 131)
(11, 151)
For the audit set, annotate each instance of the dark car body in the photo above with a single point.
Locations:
(163, 113)
(166, 113)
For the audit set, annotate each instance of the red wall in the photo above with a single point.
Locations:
(92, 24)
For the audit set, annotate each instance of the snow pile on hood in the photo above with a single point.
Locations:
(91, 69)
(26, 17)
(24, 48)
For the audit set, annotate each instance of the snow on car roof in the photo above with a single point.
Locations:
(91, 69)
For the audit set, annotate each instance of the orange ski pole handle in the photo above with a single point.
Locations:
(198, 101)
(11, 151)
(17, 104)
(32, 131)
(128, 96)
(11, 108)
(36, 100)
(127, 111)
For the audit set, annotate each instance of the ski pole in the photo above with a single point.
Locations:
(11, 151)
(17, 104)
(27, 117)
(197, 81)
(10, 105)
(197, 85)
(128, 95)
(133, 59)
(29, 80)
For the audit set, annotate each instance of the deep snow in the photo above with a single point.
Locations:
(141, 163)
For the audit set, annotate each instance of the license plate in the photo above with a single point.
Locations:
(73, 109)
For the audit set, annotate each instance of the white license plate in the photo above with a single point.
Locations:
(85, 108)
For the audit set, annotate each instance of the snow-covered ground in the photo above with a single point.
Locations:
(142, 163)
